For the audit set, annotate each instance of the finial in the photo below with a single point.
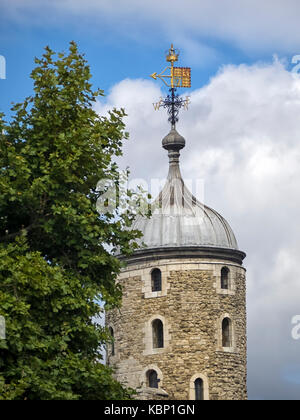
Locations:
(172, 55)
(178, 77)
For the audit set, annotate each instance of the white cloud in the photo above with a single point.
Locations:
(243, 137)
(143, 123)
(251, 25)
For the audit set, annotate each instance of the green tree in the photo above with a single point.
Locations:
(56, 251)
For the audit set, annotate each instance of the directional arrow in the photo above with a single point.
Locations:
(162, 76)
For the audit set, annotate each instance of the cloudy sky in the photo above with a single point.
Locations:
(242, 130)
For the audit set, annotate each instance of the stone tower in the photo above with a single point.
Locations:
(181, 331)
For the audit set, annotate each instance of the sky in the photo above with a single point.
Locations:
(242, 128)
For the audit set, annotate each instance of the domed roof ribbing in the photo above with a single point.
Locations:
(178, 218)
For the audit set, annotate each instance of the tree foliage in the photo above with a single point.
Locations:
(56, 252)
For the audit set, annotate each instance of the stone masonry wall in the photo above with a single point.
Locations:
(192, 308)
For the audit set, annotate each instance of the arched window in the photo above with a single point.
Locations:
(199, 389)
(156, 280)
(111, 332)
(157, 334)
(152, 379)
(225, 278)
(226, 333)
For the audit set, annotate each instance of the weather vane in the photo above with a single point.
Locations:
(178, 77)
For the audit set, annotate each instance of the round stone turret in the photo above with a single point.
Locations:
(181, 330)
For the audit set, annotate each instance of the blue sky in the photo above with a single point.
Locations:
(112, 58)
(242, 129)
(115, 48)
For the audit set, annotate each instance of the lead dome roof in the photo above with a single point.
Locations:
(178, 218)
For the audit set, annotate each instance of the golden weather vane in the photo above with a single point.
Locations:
(178, 77)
